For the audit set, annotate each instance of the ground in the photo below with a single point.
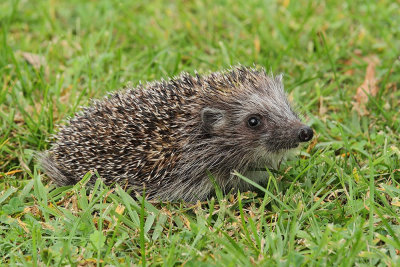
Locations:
(335, 204)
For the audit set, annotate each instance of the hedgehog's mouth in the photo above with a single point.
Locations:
(285, 146)
(280, 146)
(293, 145)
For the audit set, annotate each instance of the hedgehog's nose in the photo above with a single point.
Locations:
(305, 134)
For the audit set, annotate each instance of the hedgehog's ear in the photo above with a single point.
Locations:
(212, 119)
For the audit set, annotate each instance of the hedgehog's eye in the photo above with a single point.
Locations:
(254, 121)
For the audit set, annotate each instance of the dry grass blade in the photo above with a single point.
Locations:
(368, 88)
(35, 60)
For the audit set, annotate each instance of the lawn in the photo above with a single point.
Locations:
(335, 204)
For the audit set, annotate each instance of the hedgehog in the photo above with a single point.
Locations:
(168, 137)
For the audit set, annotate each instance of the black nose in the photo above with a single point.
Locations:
(305, 134)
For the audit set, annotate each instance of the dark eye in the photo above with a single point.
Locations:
(254, 121)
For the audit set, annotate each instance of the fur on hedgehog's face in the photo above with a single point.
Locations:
(260, 119)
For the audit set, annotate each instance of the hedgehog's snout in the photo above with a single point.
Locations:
(288, 137)
(305, 134)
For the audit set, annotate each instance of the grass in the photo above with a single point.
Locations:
(337, 204)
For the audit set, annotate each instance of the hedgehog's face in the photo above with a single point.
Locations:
(264, 132)
(267, 119)
(270, 131)
(263, 121)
